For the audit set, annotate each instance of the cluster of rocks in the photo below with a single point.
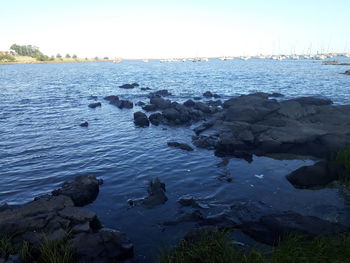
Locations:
(121, 104)
(59, 217)
(257, 220)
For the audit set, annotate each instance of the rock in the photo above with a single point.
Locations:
(121, 104)
(150, 107)
(182, 146)
(140, 103)
(95, 105)
(216, 96)
(145, 88)
(156, 194)
(162, 93)
(208, 94)
(202, 107)
(319, 174)
(271, 229)
(197, 98)
(312, 101)
(111, 98)
(194, 216)
(347, 72)
(188, 200)
(276, 95)
(4, 206)
(160, 103)
(135, 84)
(140, 119)
(172, 115)
(105, 246)
(83, 190)
(84, 124)
(127, 86)
(189, 103)
(92, 97)
(79, 216)
(206, 142)
(156, 118)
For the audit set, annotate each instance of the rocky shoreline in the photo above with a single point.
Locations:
(256, 124)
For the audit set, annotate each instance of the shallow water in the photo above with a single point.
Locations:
(42, 145)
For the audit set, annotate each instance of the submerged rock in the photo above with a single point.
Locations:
(95, 105)
(140, 119)
(162, 93)
(83, 190)
(156, 194)
(347, 72)
(84, 124)
(127, 86)
(319, 174)
(182, 146)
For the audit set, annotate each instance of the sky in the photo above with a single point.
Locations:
(176, 28)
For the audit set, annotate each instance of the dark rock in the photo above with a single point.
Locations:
(182, 146)
(204, 126)
(347, 72)
(83, 190)
(145, 88)
(215, 103)
(156, 194)
(202, 107)
(207, 142)
(160, 103)
(140, 119)
(84, 124)
(189, 103)
(92, 97)
(312, 101)
(163, 93)
(150, 107)
(319, 174)
(188, 200)
(156, 118)
(135, 84)
(127, 86)
(276, 95)
(121, 104)
(140, 103)
(197, 98)
(111, 98)
(208, 94)
(271, 229)
(95, 105)
(171, 114)
(195, 216)
(216, 96)
(105, 246)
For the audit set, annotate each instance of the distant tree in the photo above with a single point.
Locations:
(74, 56)
(25, 50)
(105, 58)
(58, 56)
(68, 56)
(86, 59)
(96, 58)
(52, 58)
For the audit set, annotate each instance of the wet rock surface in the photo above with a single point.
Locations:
(128, 86)
(140, 119)
(83, 190)
(347, 72)
(317, 175)
(156, 194)
(95, 105)
(56, 217)
(121, 104)
(182, 146)
(84, 124)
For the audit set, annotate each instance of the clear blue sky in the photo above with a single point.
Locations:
(161, 28)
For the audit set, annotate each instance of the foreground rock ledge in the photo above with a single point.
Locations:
(55, 217)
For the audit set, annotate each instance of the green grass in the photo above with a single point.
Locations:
(56, 252)
(6, 246)
(343, 158)
(217, 248)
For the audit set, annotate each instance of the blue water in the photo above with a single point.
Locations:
(42, 145)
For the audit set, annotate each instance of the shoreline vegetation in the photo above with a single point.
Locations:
(28, 54)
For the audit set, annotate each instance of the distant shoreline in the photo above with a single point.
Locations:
(55, 61)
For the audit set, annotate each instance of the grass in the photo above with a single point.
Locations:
(217, 248)
(50, 251)
(55, 252)
(343, 158)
